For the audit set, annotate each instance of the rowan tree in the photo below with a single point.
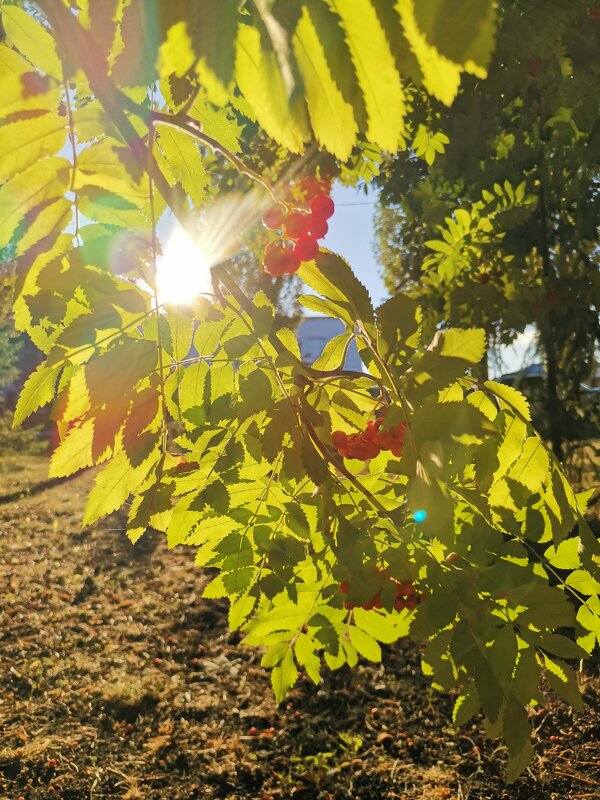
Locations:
(341, 509)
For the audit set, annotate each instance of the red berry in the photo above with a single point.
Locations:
(52, 763)
(306, 248)
(484, 277)
(317, 226)
(322, 206)
(344, 587)
(399, 604)
(274, 259)
(422, 597)
(296, 224)
(273, 218)
(252, 731)
(311, 187)
(339, 439)
(411, 603)
(291, 262)
(368, 605)
(377, 602)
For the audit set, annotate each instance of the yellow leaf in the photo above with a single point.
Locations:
(441, 77)
(32, 40)
(42, 181)
(332, 117)
(376, 72)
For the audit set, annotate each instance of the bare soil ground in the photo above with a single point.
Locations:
(118, 681)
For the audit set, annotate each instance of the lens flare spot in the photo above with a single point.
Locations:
(420, 515)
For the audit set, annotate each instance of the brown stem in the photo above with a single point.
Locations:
(191, 126)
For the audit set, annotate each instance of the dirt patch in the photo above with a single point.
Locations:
(118, 681)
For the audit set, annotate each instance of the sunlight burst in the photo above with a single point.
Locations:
(183, 272)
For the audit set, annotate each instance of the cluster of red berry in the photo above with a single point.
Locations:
(406, 595)
(371, 441)
(301, 229)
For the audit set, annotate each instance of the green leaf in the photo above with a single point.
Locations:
(461, 30)
(37, 391)
(510, 398)
(239, 611)
(114, 484)
(519, 761)
(27, 141)
(115, 372)
(53, 217)
(441, 77)
(175, 54)
(526, 677)
(181, 329)
(44, 180)
(32, 40)
(561, 646)
(531, 468)
(364, 643)
(334, 352)
(563, 681)
(386, 628)
(565, 556)
(583, 582)
(184, 162)
(331, 276)
(186, 516)
(192, 387)
(74, 452)
(466, 706)
(304, 650)
(331, 115)
(468, 345)
(399, 319)
(261, 82)
(515, 726)
(284, 676)
(375, 68)
(212, 25)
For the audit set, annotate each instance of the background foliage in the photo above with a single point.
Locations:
(502, 230)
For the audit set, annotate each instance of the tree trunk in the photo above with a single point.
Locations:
(552, 400)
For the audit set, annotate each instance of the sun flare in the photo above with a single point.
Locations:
(183, 271)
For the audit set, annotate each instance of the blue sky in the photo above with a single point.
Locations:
(351, 234)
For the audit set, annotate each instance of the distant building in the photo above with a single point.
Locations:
(314, 333)
(535, 374)
(531, 381)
